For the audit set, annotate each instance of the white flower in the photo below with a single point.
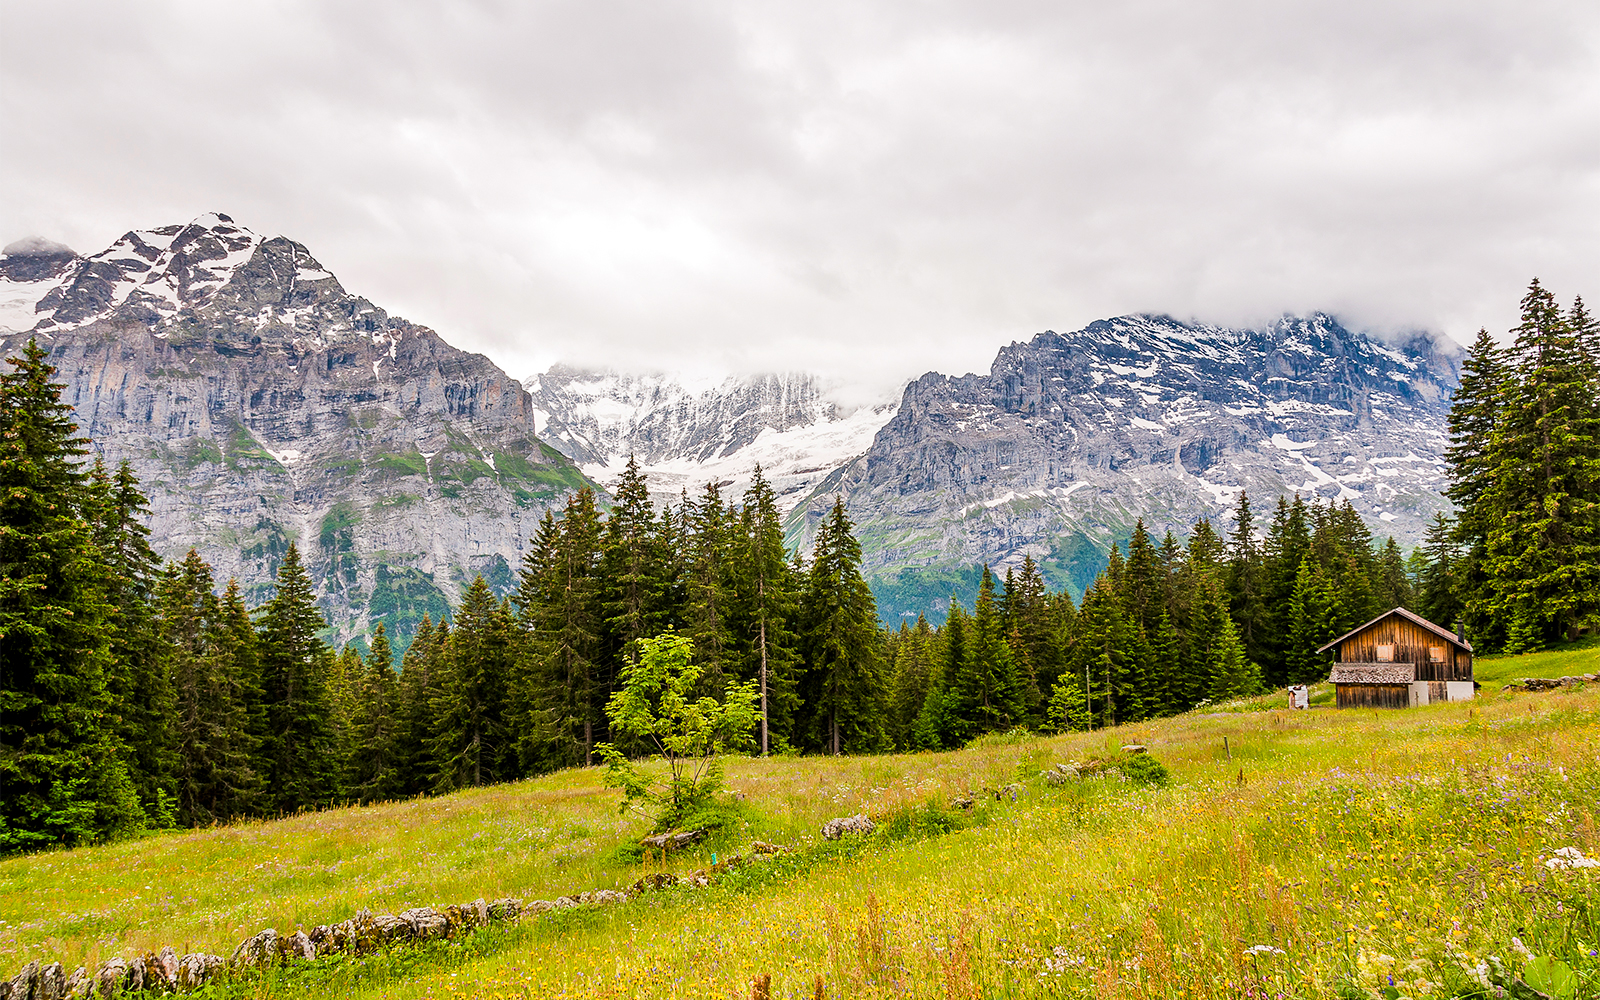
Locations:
(1262, 949)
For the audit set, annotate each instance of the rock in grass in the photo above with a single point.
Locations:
(962, 802)
(505, 909)
(80, 985)
(426, 922)
(21, 985)
(111, 977)
(672, 841)
(257, 951)
(197, 968)
(297, 947)
(1131, 748)
(839, 826)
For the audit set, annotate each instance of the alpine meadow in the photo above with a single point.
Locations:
(675, 756)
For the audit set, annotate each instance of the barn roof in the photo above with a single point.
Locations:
(1373, 673)
(1415, 619)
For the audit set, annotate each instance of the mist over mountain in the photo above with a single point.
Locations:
(685, 432)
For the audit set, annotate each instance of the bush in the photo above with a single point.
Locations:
(1143, 769)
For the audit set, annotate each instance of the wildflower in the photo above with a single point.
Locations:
(1262, 949)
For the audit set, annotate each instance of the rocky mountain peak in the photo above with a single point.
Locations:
(261, 403)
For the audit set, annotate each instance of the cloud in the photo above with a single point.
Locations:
(869, 190)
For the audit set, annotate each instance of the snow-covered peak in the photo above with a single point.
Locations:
(685, 431)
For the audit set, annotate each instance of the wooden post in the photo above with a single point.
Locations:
(1225, 748)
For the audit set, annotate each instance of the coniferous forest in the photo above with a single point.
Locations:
(137, 695)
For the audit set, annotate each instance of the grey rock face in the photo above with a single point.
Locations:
(261, 403)
(1070, 438)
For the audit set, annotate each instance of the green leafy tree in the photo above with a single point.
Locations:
(656, 706)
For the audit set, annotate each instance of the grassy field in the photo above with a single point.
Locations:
(1322, 853)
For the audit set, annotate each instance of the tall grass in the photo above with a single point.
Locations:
(1320, 852)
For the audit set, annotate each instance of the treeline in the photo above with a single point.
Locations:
(1520, 562)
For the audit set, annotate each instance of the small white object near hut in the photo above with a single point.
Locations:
(1299, 696)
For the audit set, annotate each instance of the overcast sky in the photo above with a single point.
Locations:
(870, 190)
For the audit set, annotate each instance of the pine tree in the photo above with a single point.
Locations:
(763, 610)
(1393, 588)
(839, 635)
(301, 768)
(138, 682)
(988, 695)
(1543, 538)
(1314, 618)
(914, 675)
(421, 679)
(1100, 649)
(373, 773)
(1436, 586)
(470, 741)
(235, 645)
(1245, 578)
(62, 767)
(708, 585)
(631, 568)
(560, 601)
(210, 719)
(1474, 413)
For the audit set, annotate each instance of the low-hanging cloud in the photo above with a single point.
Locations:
(869, 190)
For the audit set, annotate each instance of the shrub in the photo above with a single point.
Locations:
(1143, 769)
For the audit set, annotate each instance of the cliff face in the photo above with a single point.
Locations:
(261, 403)
(1071, 438)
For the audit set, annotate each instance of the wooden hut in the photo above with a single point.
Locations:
(1400, 660)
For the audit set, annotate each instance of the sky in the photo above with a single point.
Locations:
(868, 190)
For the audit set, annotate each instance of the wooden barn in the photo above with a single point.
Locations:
(1400, 660)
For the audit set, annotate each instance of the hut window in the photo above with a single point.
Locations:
(1385, 652)
(1436, 654)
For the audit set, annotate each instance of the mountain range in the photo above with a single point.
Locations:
(262, 403)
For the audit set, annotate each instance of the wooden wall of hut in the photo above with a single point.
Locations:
(1412, 644)
(1373, 695)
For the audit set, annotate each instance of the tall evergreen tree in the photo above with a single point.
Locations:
(373, 772)
(1245, 579)
(300, 766)
(1543, 539)
(62, 766)
(987, 693)
(210, 716)
(839, 632)
(470, 741)
(1474, 413)
(140, 687)
(763, 608)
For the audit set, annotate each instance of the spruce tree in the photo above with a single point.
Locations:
(987, 693)
(301, 769)
(373, 771)
(1245, 578)
(914, 675)
(708, 591)
(62, 766)
(763, 609)
(1436, 590)
(469, 742)
(561, 601)
(839, 633)
(210, 717)
(1474, 413)
(140, 688)
(1543, 538)
(631, 568)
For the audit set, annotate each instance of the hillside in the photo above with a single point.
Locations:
(1317, 848)
(261, 403)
